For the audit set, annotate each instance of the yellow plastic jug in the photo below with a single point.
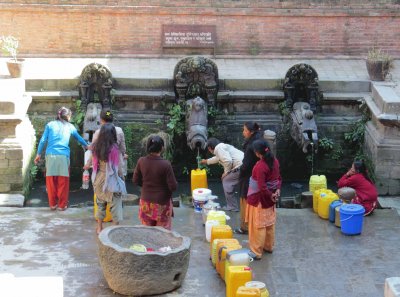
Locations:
(217, 215)
(222, 250)
(108, 217)
(236, 277)
(198, 179)
(317, 182)
(213, 246)
(316, 195)
(324, 201)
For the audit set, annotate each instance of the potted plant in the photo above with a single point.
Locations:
(379, 64)
(9, 47)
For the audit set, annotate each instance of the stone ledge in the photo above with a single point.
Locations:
(12, 200)
(386, 98)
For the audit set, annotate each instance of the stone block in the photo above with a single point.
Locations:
(12, 200)
(2, 154)
(386, 99)
(11, 171)
(392, 287)
(7, 107)
(15, 163)
(14, 154)
(4, 188)
(3, 163)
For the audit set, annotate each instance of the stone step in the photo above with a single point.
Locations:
(12, 200)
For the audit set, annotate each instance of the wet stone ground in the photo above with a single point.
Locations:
(312, 258)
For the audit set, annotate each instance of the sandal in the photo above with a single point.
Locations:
(240, 231)
(62, 208)
(53, 207)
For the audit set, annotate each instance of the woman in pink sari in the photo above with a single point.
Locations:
(264, 189)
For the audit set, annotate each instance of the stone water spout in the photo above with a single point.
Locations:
(304, 128)
(196, 83)
(303, 98)
(196, 123)
(95, 94)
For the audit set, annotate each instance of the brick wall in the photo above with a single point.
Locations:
(265, 28)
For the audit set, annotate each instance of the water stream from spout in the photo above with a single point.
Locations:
(198, 158)
(312, 158)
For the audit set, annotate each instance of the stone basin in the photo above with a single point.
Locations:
(133, 273)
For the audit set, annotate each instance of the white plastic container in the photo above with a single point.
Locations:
(200, 197)
(209, 225)
(239, 257)
(210, 205)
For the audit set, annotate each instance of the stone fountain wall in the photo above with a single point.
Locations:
(17, 138)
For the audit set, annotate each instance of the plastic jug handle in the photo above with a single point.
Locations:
(212, 197)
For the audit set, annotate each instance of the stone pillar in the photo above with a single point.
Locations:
(17, 139)
(382, 137)
(270, 137)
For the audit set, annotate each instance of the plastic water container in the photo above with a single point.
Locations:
(209, 225)
(236, 277)
(332, 207)
(198, 179)
(108, 217)
(248, 292)
(316, 195)
(200, 197)
(220, 232)
(317, 182)
(238, 257)
(259, 285)
(337, 216)
(351, 218)
(223, 249)
(213, 246)
(324, 201)
(217, 215)
(209, 206)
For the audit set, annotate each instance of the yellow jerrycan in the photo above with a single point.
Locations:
(108, 217)
(198, 179)
(317, 182)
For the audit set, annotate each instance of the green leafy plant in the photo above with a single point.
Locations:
(377, 54)
(176, 123)
(326, 144)
(78, 115)
(9, 46)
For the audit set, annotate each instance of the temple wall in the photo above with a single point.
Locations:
(245, 28)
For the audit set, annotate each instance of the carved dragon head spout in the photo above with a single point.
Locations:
(196, 123)
(91, 121)
(304, 129)
(302, 98)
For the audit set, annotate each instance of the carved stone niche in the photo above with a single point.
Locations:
(95, 81)
(301, 85)
(196, 77)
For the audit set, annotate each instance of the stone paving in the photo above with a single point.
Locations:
(311, 259)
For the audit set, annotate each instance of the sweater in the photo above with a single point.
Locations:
(262, 174)
(365, 189)
(228, 156)
(57, 134)
(156, 177)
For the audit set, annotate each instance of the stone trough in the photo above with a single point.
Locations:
(133, 273)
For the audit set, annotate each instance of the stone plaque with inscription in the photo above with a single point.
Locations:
(189, 36)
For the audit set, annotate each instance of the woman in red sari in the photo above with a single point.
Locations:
(358, 179)
(157, 179)
(264, 189)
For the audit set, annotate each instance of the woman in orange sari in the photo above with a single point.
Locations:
(264, 189)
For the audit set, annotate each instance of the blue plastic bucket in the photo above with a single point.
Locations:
(351, 218)
(332, 207)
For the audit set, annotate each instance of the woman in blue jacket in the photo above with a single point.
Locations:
(57, 134)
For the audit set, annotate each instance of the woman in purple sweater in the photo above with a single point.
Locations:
(157, 179)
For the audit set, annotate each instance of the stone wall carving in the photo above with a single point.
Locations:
(303, 98)
(95, 85)
(196, 76)
(95, 93)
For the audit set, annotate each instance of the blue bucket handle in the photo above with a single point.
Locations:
(347, 218)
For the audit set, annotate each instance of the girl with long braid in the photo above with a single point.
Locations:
(264, 190)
